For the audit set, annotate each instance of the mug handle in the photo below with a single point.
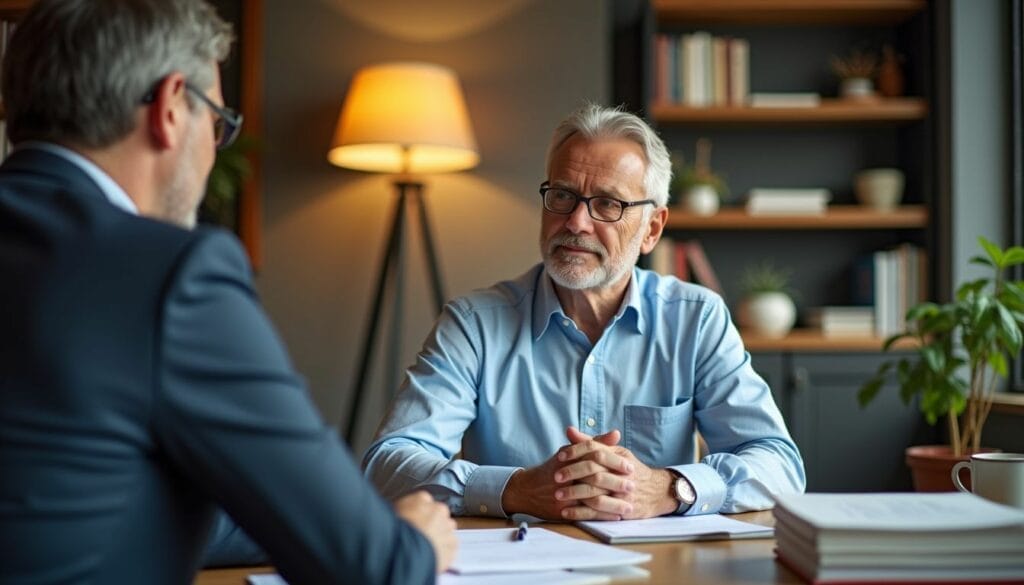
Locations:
(956, 475)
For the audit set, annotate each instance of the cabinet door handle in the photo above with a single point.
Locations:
(801, 379)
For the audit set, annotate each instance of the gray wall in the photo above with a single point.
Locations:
(524, 64)
(981, 116)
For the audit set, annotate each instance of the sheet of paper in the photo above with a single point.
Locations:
(266, 579)
(546, 577)
(674, 528)
(495, 551)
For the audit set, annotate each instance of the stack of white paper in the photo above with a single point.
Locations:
(892, 538)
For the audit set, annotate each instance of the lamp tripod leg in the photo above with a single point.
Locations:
(391, 257)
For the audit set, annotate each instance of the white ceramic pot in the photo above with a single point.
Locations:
(857, 88)
(881, 189)
(771, 314)
(701, 200)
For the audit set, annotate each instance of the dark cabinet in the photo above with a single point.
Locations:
(845, 448)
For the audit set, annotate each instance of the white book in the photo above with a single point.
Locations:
(766, 201)
(739, 72)
(785, 100)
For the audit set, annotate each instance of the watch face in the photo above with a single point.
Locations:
(684, 491)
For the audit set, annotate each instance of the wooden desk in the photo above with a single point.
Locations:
(726, 562)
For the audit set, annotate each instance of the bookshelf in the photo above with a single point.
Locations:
(838, 217)
(831, 111)
(12, 9)
(815, 378)
(790, 43)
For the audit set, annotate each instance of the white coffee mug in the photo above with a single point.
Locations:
(994, 476)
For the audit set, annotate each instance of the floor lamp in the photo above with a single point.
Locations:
(406, 119)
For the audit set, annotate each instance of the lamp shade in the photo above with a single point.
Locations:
(404, 118)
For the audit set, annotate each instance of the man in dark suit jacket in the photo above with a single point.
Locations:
(141, 385)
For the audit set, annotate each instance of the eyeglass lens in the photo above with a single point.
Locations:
(565, 201)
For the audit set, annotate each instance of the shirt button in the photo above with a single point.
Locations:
(591, 360)
(566, 322)
(705, 507)
(483, 509)
(591, 422)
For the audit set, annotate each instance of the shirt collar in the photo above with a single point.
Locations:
(547, 307)
(110, 189)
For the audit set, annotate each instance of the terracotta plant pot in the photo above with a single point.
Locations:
(931, 467)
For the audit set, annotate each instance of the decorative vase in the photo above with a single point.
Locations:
(771, 314)
(931, 467)
(701, 200)
(881, 189)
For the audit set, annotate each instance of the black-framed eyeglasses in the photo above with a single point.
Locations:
(226, 125)
(564, 201)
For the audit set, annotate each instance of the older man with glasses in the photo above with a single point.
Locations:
(141, 384)
(511, 374)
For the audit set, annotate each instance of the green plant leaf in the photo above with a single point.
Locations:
(992, 250)
(869, 390)
(1013, 256)
(971, 288)
(998, 363)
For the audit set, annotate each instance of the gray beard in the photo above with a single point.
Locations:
(572, 275)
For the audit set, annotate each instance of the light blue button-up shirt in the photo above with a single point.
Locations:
(505, 371)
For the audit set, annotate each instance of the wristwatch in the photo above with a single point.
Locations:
(682, 491)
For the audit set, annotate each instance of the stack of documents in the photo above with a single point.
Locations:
(675, 529)
(842, 321)
(788, 201)
(893, 538)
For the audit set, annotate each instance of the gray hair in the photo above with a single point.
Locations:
(593, 122)
(76, 70)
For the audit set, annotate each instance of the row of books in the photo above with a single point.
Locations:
(899, 538)
(891, 281)
(686, 260)
(698, 69)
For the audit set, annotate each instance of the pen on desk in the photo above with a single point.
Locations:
(520, 533)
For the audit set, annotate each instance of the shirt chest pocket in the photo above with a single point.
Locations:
(660, 435)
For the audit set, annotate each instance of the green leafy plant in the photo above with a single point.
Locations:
(230, 170)
(685, 177)
(976, 333)
(766, 277)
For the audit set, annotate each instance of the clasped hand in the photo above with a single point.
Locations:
(591, 478)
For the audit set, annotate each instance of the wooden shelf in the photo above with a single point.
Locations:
(813, 340)
(852, 12)
(838, 217)
(13, 9)
(831, 111)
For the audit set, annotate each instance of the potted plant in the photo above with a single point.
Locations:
(961, 351)
(230, 170)
(856, 72)
(767, 307)
(699, 187)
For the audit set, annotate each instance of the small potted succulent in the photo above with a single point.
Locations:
(700, 189)
(856, 73)
(767, 307)
(975, 334)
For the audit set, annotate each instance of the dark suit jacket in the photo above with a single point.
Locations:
(141, 385)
